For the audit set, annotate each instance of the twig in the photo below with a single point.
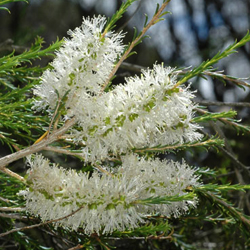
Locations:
(131, 16)
(76, 247)
(134, 42)
(223, 175)
(8, 45)
(132, 67)
(231, 209)
(40, 224)
(223, 120)
(232, 104)
(219, 131)
(236, 162)
(102, 169)
(12, 209)
(12, 174)
(79, 155)
(13, 216)
(237, 81)
(151, 237)
(37, 147)
(54, 115)
(63, 151)
(173, 147)
(100, 242)
(80, 246)
(6, 200)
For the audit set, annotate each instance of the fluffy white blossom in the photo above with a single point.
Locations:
(161, 178)
(81, 66)
(146, 111)
(107, 202)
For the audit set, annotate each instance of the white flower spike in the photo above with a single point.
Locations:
(146, 111)
(108, 203)
(81, 66)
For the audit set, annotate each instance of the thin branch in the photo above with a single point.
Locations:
(63, 151)
(7, 200)
(232, 210)
(228, 147)
(132, 67)
(134, 42)
(8, 45)
(208, 142)
(54, 115)
(13, 216)
(131, 16)
(79, 155)
(37, 147)
(38, 225)
(224, 120)
(12, 174)
(236, 161)
(232, 104)
(100, 242)
(237, 81)
(76, 247)
(12, 209)
(151, 237)
(222, 175)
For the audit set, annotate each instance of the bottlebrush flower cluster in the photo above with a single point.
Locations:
(107, 202)
(81, 66)
(145, 111)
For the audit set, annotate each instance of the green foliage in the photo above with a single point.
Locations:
(214, 116)
(15, 67)
(213, 193)
(18, 124)
(207, 143)
(111, 23)
(206, 65)
(9, 187)
(152, 229)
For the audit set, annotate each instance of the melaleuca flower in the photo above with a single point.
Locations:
(107, 202)
(146, 111)
(162, 178)
(81, 66)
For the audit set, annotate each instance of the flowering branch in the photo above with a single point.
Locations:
(224, 117)
(153, 21)
(207, 64)
(38, 146)
(38, 225)
(212, 142)
(146, 114)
